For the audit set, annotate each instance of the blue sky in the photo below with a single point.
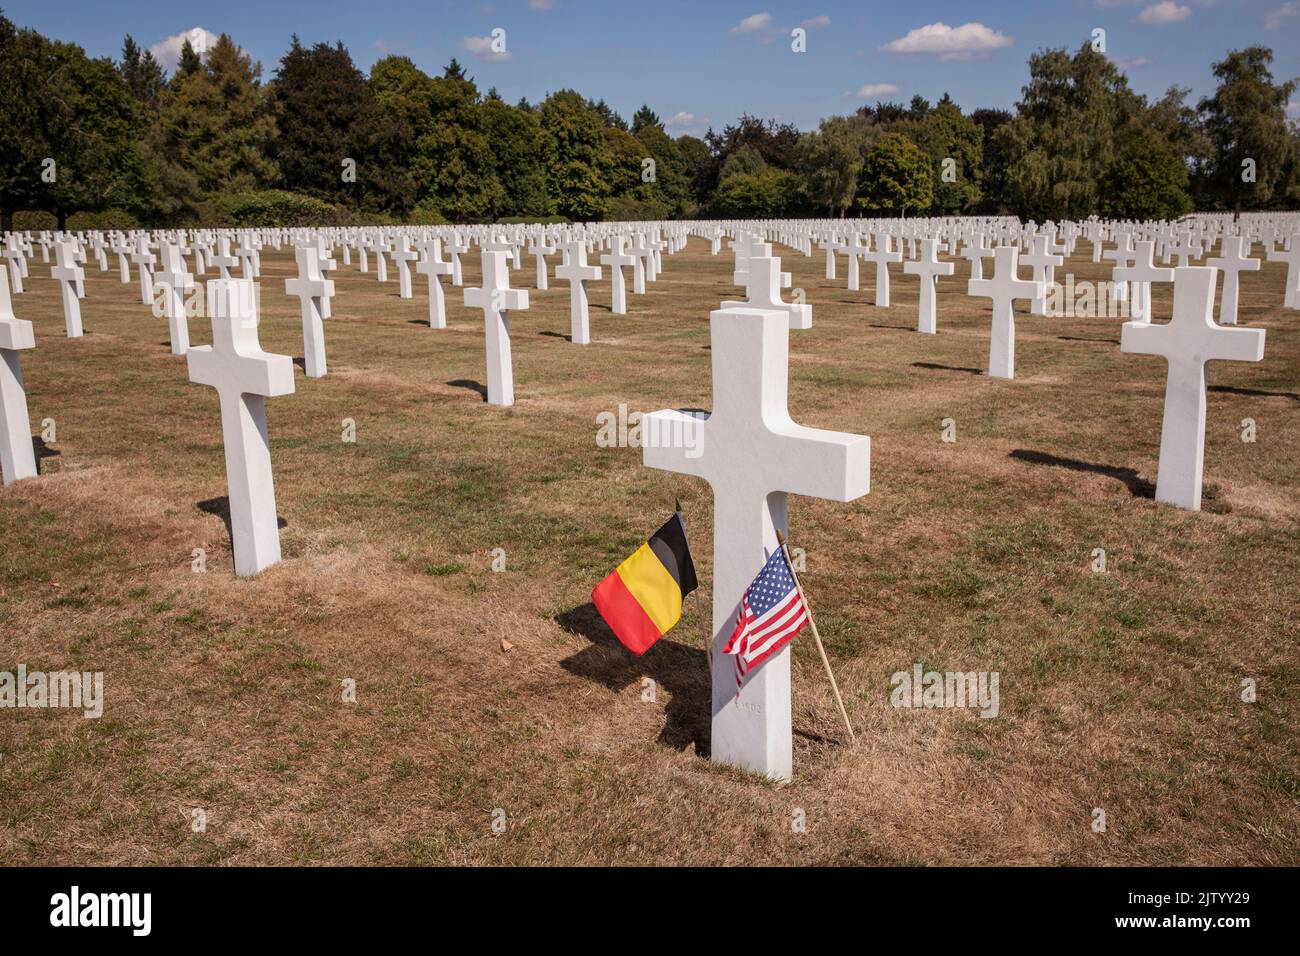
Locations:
(703, 63)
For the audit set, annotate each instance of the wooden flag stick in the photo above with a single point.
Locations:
(817, 637)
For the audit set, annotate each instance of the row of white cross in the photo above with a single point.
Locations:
(748, 448)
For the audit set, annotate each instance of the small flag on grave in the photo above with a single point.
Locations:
(641, 599)
(772, 612)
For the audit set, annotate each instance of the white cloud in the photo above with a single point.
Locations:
(1131, 62)
(816, 23)
(1278, 16)
(481, 49)
(682, 123)
(1293, 107)
(1166, 11)
(541, 4)
(875, 90)
(951, 43)
(168, 52)
(752, 24)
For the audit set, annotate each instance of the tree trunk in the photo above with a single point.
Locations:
(62, 217)
(6, 220)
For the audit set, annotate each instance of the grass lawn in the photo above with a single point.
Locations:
(1119, 691)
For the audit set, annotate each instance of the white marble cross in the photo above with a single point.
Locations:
(1040, 260)
(539, 250)
(1188, 341)
(1291, 296)
(17, 456)
(1141, 274)
(882, 254)
(976, 251)
(752, 454)
(616, 259)
(69, 276)
(244, 377)
(312, 289)
(144, 260)
(174, 282)
(404, 256)
(496, 299)
(223, 261)
(929, 268)
(1003, 289)
(763, 280)
(855, 249)
(432, 265)
(578, 273)
(13, 253)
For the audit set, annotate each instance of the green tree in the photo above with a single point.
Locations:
(758, 195)
(517, 146)
(326, 113)
(216, 126)
(578, 158)
(1064, 137)
(896, 177)
(76, 146)
(1146, 180)
(832, 158)
(143, 76)
(955, 145)
(1245, 121)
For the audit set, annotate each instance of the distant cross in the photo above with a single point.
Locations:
(976, 251)
(1185, 249)
(1291, 298)
(1188, 341)
(175, 282)
(1003, 289)
(763, 282)
(312, 290)
(17, 456)
(69, 276)
(831, 245)
(1141, 274)
(404, 256)
(752, 454)
(1040, 260)
(223, 261)
(639, 251)
(929, 268)
(121, 248)
(244, 377)
(882, 255)
(855, 249)
(578, 273)
(539, 250)
(144, 260)
(381, 259)
(616, 259)
(496, 299)
(456, 248)
(13, 252)
(432, 265)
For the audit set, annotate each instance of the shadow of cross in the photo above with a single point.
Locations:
(752, 453)
(680, 670)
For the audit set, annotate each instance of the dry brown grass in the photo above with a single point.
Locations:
(1119, 691)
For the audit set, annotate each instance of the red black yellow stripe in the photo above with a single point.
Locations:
(641, 599)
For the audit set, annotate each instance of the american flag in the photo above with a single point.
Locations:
(771, 612)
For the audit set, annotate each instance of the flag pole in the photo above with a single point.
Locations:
(816, 637)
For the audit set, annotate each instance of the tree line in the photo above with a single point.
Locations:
(121, 143)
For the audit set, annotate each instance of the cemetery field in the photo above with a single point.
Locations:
(1120, 691)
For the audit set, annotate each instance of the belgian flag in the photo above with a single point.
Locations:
(641, 599)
